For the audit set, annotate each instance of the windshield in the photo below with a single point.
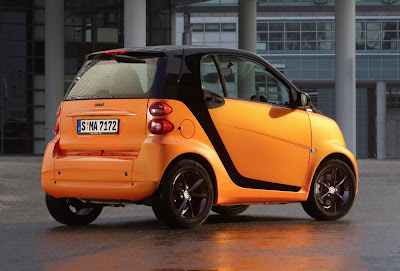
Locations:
(112, 78)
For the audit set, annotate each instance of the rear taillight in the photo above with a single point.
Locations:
(160, 126)
(115, 52)
(58, 112)
(56, 127)
(160, 109)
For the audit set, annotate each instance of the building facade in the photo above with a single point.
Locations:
(298, 38)
(89, 25)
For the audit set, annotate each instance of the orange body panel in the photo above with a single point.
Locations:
(264, 140)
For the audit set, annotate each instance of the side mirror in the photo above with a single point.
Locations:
(304, 101)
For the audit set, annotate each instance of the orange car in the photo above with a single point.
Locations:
(188, 130)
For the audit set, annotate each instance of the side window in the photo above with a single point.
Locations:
(209, 76)
(248, 80)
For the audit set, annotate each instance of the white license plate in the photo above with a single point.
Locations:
(98, 126)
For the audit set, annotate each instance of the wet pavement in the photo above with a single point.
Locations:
(278, 237)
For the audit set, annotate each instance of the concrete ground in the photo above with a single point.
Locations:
(278, 237)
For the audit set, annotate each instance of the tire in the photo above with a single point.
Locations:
(230, 210)
(71, 211)
(332, 191)
(185, 196)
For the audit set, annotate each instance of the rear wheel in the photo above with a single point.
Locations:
(185, 196)
(71, 211)
(332, 191)
(230, 210)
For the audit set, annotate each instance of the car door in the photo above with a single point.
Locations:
(268, 143)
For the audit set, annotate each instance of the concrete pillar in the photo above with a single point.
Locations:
(381, 120)
(54, 62)
(187, 34)
(345, 25)
(134, 23)
(173, 25)
(248, 25)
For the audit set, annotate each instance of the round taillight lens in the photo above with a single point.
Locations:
(160, 109)
(160, 126)
(56, 128)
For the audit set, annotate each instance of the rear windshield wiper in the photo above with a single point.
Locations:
(127, 59)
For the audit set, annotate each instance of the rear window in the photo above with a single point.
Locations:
(120, 76)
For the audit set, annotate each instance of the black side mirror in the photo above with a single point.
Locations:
(304, 100)
(212, 99)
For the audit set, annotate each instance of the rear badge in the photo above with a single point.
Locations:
(99, 104)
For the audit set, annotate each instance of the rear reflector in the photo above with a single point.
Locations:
(160, 126)
(115, 52)
(58, 112)
(160, 109)
(56, 128)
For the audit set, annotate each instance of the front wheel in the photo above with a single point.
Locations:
(71, 211)
(185, 196)
(332, 191)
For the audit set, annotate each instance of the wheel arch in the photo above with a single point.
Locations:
(339, 156)
(202, 161)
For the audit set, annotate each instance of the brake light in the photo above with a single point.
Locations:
(58, 112)
(115, 52)
(56, 128)
(160, 126)
(160, 109)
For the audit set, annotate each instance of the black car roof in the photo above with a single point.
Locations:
(187, 49)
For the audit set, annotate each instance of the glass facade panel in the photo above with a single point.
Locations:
(292, 36)
(275, 26)
(308, 46)
(389, 26)
(324, 26)
(308, 36)
(293, 26)
(325, 35)
(262, 26)
(262, 37)
(293, 46)
(197, 27)
(212, 27)
(276, 36)
(373, 26)
(276, 46)
(308, 26)
(228, 27)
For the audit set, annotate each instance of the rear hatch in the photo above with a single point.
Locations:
(105, 108)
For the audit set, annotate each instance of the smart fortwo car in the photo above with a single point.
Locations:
(188, 130)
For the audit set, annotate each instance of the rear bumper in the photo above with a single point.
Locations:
(99, 189)
(93, 176)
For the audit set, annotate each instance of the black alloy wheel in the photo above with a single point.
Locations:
(185, 197)
(71, 211)
(332, 191)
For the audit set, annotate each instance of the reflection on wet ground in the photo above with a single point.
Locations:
(278, 237)
(243, 242)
